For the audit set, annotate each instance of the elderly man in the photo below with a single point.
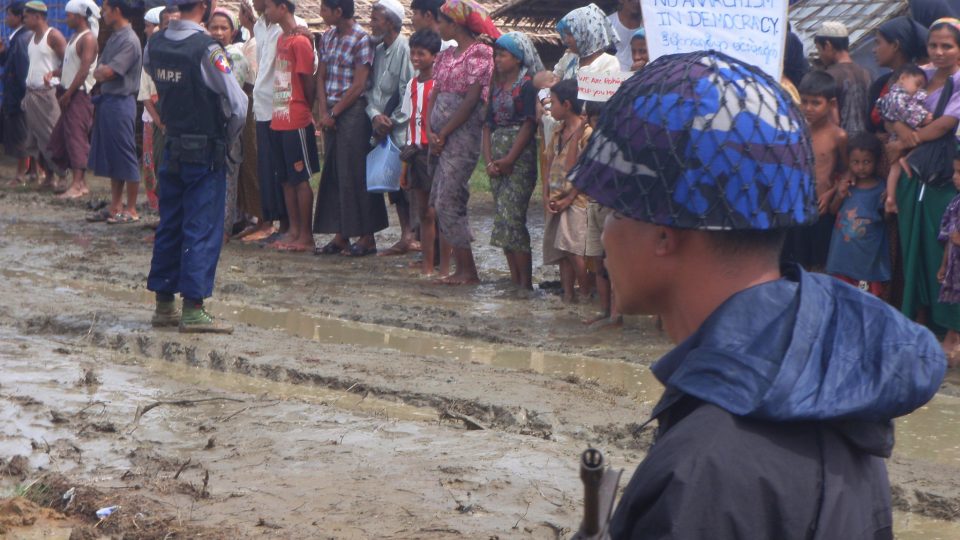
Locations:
(391, 73)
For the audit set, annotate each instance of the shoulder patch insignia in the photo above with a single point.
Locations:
(220, 61)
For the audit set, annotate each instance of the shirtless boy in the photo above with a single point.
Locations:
(818, 96)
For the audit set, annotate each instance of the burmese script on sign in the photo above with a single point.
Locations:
(753, 31)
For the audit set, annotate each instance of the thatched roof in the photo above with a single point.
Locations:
(544, 13)
(310, 11)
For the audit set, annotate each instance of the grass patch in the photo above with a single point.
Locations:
(479, 181)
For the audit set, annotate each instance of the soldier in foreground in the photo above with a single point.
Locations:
(776, 417)
(203, 109)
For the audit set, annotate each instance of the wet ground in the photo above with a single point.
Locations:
(354, 401)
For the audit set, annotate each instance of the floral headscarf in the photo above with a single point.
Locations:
(234, 24)
(519, 45)
(590, 28)
(471, 16)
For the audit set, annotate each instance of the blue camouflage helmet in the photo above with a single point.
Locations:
(701, 141)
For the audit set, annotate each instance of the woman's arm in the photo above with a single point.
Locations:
(463, 112)
(524, 136)
(486, 151)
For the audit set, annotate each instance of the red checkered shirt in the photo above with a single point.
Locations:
(342, 53)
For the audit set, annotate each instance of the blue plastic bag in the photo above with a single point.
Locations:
(383, 167)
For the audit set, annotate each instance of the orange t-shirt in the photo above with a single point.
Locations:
(290, 107)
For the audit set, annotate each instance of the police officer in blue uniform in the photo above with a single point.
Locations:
(203, 109)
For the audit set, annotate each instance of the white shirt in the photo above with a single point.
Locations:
(624, 54)
(267, 37)
(43, 60)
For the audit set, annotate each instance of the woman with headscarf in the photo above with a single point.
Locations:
(461, 84)
(899, 41)
(223, 27)
(923, 197)
(509, 149)
(588, 35)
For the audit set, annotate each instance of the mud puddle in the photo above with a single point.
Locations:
(932, 433)
(632, 379)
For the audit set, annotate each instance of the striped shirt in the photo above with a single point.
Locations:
(414, 106)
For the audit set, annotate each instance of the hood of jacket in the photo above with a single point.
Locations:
(808, 347)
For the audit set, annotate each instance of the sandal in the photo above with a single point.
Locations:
(122, 219)
(357, 250)
(99, 216)
(333, 248)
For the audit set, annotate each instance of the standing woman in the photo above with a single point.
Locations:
(922, 205)
(223, 27)
(899, 42)
(461, 83)
(588, 35)
(510, 150)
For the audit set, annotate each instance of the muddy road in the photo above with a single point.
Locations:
(354, 400)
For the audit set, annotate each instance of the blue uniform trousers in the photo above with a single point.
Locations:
(190, 235)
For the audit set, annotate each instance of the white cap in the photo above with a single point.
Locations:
(392, 6)
(833, 29)
(153, 15)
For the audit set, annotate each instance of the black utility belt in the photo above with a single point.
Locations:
(197, 149)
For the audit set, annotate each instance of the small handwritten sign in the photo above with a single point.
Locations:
(753, 31)
(600, 86)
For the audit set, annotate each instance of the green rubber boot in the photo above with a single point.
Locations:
(165, 315)
(196, 320)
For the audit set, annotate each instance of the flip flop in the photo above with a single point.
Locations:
(122, 219)
(332, 248)
(99, 216)
(357, 250)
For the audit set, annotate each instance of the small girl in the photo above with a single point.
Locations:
(904, 103)
(949, 273)
(509, 149)
(859, 248)
(565, 234)
(638, 48)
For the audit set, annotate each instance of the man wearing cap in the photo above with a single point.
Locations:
(203, 109)
(391, 72)
(776, 416)
(16, 63)
(70, 141)
(40, 107)
(833, 45)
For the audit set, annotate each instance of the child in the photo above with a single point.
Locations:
(904, 103)
(417, 174)
(638, 47)
(596, 216)
(152, 126)
(292, 135)
(859, 249)
(565, 234)
(509, 149)
(949, 273)
(818, 98)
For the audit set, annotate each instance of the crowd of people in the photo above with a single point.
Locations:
(458, 90)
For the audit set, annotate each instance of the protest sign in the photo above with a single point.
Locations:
(753, 31)
(600, 86)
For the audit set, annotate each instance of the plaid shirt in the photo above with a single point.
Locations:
(341, 54)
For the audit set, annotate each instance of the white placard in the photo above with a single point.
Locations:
(600, 86)
(753, 31)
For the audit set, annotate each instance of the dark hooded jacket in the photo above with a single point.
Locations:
(777, 416)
